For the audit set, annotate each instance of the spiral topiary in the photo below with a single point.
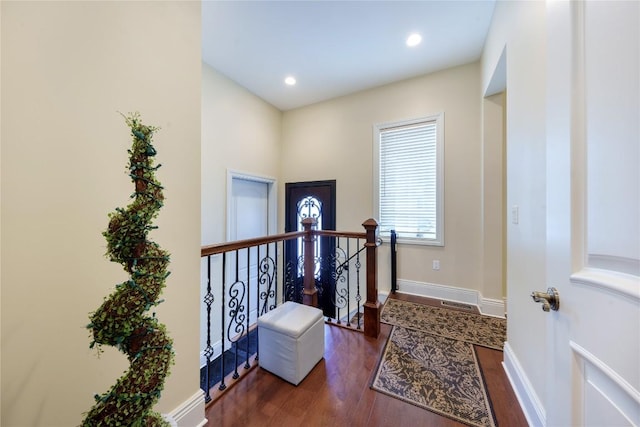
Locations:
(123, 320)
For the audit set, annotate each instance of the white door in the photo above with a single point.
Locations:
(249, 210)
(248, 218)
(593, 214)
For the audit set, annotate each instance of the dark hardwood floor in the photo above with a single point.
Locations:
(336, 392)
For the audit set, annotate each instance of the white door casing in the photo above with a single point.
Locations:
(593, 340)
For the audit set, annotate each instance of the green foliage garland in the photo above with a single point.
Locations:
(123, 320)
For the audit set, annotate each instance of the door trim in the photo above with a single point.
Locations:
(622, 284)
(601, 378)
(529, 400)
(272, 195)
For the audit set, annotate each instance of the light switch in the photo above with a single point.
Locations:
(515, 214)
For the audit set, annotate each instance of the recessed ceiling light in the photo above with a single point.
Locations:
(290, 80)
(414, 39)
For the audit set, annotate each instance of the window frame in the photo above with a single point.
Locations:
(379, 128)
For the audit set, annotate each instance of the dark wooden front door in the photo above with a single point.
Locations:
(314, 199)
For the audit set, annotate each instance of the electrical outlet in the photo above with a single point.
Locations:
(436, 264)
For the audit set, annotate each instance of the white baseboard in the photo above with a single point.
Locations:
(487, 306)
(492, 307)
(217, 351)
(190, 413)
(382, 296)
(527, 397)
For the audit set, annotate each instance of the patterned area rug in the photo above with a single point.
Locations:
(473, 328)
(429, 359)
(436, 373)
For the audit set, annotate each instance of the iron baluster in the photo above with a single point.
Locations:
(236, 312)
(339, 268)
(394, 282)
(358, 296)
(246, 361)
(266, 271)
(348, 284)
(275, 273)
(208, 352)
(224, 286)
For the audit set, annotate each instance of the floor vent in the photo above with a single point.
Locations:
(457, 305)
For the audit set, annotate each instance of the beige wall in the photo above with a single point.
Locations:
(67, 69)
(240, 132)
(334, 140)
(493, 195)
(520, 27)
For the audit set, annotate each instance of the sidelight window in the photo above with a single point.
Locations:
(309, 207)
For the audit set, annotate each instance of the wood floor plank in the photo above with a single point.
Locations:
(503, 400)
(337, 391)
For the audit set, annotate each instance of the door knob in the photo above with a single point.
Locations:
(550, 300)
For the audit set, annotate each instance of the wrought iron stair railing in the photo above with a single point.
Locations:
(244, 279)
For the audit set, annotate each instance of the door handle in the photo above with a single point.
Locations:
(550, 300)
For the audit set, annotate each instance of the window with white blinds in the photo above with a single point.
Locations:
(409, 157)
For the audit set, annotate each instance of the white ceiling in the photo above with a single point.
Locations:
(334, 48)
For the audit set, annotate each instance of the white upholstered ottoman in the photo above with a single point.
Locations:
(291, 340)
